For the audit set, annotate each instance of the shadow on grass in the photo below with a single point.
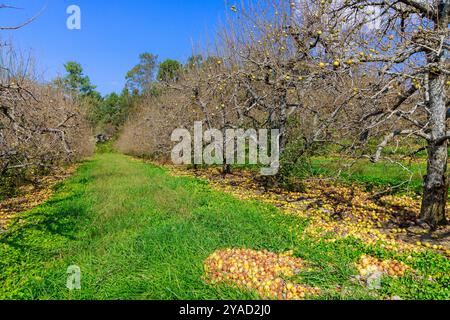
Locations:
(46, 230)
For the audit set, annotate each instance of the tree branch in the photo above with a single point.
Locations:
(2, 6)
(421, 5)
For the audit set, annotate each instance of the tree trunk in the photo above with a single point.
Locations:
(435, 193)
(282, 122)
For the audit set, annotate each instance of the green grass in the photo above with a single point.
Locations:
(378, 176)
(374, 175)
(138, 233)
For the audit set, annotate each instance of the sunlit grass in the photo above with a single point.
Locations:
(406, 177)
(138, 233)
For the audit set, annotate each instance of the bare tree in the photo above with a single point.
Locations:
(351, 72)
(405, 44)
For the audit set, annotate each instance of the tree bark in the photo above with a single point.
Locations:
(435, 192)
(436, 185)
(282, 122)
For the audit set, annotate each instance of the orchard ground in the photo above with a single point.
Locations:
(141, 231)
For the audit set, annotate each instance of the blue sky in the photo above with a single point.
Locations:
(113, 34)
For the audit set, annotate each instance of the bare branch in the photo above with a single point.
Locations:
(37, 15)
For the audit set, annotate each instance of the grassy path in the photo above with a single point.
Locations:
(135, 232)
(138, 233)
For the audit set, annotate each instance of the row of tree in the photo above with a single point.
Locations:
(351, 76)
(44, 125)
(41, 125)
(108, 113)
